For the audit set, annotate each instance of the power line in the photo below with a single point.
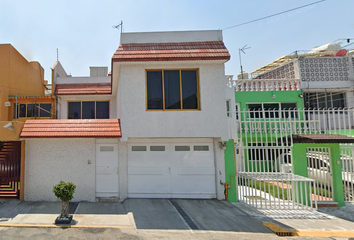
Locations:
(258, 19)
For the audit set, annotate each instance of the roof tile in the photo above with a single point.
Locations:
(72, 128)
(185, 51)
(83, 89)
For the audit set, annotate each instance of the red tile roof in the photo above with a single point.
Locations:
(83, 89)
(184, 51)
(72, 128)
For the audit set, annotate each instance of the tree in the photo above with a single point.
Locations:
(65, 192)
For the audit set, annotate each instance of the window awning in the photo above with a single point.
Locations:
(72, 128)
(321, 138)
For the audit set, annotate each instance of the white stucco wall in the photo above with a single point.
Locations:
(219, 169)
(63, 103)
(73, 80)
(173, 36)
(48, 161)
(136, 121)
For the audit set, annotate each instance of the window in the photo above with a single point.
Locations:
(272, 110)
(88, 110)
(139, 148)
(324, 100)
(157, 148)
(182, 148)
(172, 89)
(32, 110)
(201, 148)
(228, 102)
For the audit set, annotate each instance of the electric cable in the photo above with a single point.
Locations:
(269, 16)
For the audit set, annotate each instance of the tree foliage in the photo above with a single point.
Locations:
(64, 190)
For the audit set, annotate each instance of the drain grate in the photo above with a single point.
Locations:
(72, 207)
(188, 220)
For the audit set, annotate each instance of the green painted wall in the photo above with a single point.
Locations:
(230, 170)
(266, 96)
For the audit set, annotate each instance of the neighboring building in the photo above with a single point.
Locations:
(294, 124)
(163, 126)
(326, 74)
(22, 82)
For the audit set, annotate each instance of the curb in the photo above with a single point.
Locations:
(61, 226)
(282, 231)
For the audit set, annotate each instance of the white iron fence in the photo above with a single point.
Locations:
(320, 170)
(264, 143)
(347, 159)
(283, 191)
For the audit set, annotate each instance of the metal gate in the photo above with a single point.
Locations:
(10, 169)
(347, 158)
(319, 168)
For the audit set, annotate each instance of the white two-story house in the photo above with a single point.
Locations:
(154, 128)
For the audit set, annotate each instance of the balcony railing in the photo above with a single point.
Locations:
(251, 85)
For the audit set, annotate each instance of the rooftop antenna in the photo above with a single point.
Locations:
(119, 25)
(239, 55)
(57, 55)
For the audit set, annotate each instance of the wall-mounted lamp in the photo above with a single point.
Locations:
(301, 96)
(273, 96)
(10, 126)
(222, 145)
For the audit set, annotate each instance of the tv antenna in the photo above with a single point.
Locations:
(239, 55)
(119, 25)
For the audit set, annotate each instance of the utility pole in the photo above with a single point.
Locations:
(239, 55)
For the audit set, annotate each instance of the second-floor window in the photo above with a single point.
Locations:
(172, 89)
(324, 100)
(88, 110)
(32, 110)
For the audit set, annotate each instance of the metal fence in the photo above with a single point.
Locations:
(320, 170)
(347, 159)
(283, 191)
(263, 146)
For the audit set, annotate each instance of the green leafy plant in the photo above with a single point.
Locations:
(65, 192)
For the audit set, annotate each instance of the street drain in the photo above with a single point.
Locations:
(184, 215)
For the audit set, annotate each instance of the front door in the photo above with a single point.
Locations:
(107, 170)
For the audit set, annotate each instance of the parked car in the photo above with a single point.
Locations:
(319, 169)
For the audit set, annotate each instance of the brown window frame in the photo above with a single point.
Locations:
(181, 94)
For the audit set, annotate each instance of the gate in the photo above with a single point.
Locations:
(10, 169)
(319, 168)
(347, 158)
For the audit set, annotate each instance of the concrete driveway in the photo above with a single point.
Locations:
(144, 214)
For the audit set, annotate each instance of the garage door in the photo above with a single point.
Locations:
(171, 170)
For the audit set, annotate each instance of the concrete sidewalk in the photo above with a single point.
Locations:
(147, 214)
(331, 222)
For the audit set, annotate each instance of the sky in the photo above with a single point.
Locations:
(82, 30)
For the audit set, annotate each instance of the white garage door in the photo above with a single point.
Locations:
(171, 170)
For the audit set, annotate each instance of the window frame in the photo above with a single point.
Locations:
(95, 101)
(314, 98)
(180, 85)
(38, 110)
(278, 111)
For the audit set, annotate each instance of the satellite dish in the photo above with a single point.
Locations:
(341, 53)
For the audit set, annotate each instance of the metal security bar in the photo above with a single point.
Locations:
(283, 191)
(347, 159)
(319, 169)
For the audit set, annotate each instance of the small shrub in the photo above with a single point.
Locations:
(65, 192)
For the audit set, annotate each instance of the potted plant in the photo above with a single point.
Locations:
(65, 192)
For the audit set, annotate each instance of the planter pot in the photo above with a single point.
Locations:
(64, 220)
